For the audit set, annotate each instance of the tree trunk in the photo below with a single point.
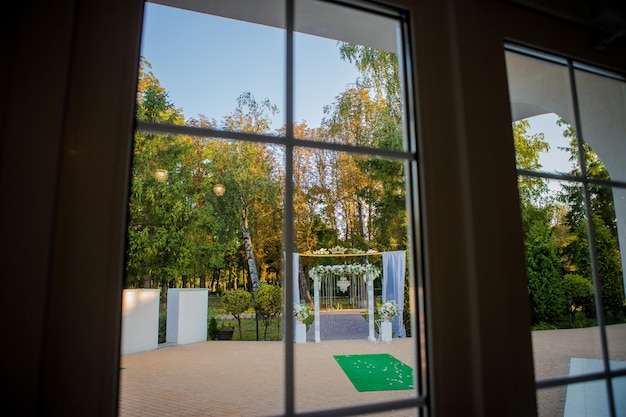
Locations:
(164, 296)
(247, 243)
(305, 290)
(203, 281)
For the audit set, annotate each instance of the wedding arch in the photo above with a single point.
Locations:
(349, 274)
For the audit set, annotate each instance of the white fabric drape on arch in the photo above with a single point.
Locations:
(296, 281)
(394, 264)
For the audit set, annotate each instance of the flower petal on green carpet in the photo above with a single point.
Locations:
(376, 372)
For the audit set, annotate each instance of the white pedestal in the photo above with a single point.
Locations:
(187, 311)
(300, 333)
(140, 320)
(385, 331)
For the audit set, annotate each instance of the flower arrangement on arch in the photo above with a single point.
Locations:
(323, 271)
(301, 311)
(388, 310)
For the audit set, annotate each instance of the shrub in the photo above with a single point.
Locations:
(269, 300)
(579, 294)
(236, 302)
(212, 330)
(545, 291)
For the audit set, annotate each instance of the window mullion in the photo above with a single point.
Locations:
(288, 236)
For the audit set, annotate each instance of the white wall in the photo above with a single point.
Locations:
(187, 312)
(140, 320)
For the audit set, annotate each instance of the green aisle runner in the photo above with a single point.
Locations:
(376, 372)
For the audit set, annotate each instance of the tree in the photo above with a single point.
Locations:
(543, 266)
(601, 197)
(370, 114)
(603, 224)
(237, 302)
(157, 248)
(608, 263)
(545, 291)
(269, 299)
(248, 172)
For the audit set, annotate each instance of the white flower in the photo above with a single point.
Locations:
(351, 270)
(301, 311)
(388, 310)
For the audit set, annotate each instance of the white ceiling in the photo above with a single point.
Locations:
(311, 17)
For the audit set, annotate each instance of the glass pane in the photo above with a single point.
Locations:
(582, 399)
(350, 216)
(205, 230)
(541, 105)
(587, 398)
(619, 391)
(616, 334)
(211, 67)
(603, 119)
(560, 289)
(610, 264)
(347, 76)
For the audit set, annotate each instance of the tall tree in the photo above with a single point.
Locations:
(603, 223)
(248, 171)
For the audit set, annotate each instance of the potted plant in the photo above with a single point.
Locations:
(225, 331)
(236, 302)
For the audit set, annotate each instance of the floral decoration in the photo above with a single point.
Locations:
(341, 250)
(327, 271)
(388, 310)
(301, 311)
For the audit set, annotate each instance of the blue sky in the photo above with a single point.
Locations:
(206, 62)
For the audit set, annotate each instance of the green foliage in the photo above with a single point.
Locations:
(236, 302)
(579, 294)
(607, 260)
(269, 301)
(545, 291)
(212, 329)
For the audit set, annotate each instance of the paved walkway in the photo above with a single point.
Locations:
(340, 325)
(232, 378)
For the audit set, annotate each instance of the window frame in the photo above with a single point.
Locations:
(291, 143)
(584, 181)
(75, 217)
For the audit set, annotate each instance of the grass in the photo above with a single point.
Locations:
(248, 329)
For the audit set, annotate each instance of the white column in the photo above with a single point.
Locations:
(316, 295)
(370, 306)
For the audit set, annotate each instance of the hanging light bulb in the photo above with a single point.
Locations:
(219, 189)
(160, 175)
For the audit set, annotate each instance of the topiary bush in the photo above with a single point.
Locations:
(269, 301)
(237, 302)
